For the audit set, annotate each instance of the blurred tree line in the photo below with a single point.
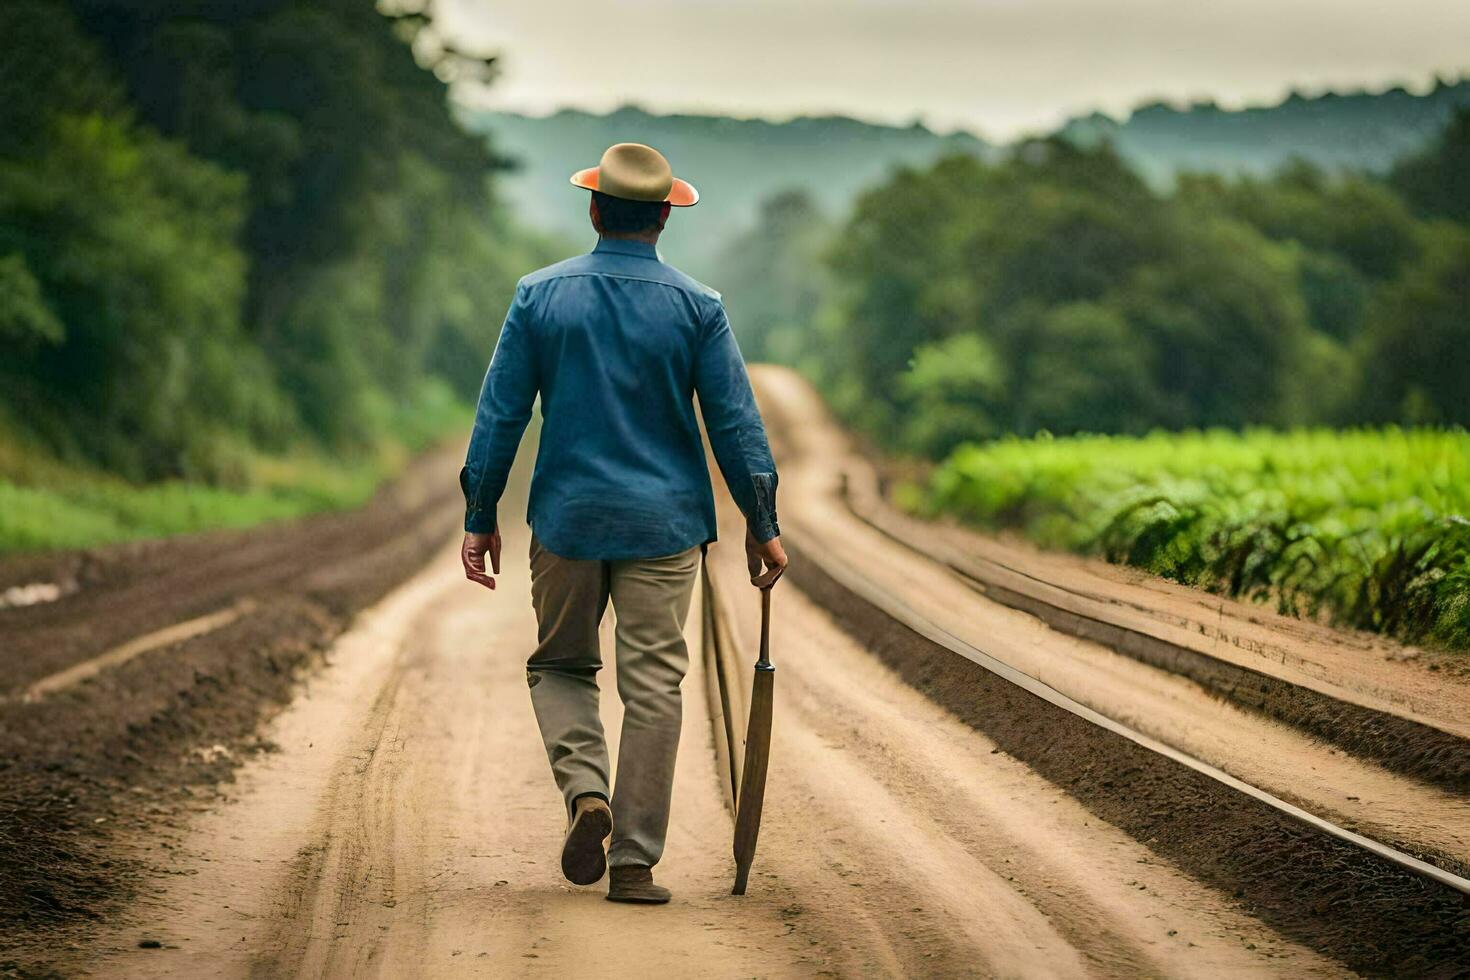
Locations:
(1055, 291)
(234, 225)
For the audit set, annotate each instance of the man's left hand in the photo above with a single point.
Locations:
(472, 553)
(764, 553)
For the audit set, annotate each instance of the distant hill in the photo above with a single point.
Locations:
(735, 163)
(1361, 130)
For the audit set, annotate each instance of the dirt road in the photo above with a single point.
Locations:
(405, 824)
(408, 826)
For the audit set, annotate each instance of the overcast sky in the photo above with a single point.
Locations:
(1001, 67)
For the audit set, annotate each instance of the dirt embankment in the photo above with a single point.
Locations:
(97, 759)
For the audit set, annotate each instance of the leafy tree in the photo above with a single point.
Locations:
(774, 280)
(1088, 370)
(26, 322)
(1055, 291)
(1352, 232)
(1336, 295)
(47, 69)
(900, 269)
(1415, 352)
(131, 243)
(954, 392)
(1356, 218)
(1225, 292)
(1437, 181)
(235, 224)
(969, 247)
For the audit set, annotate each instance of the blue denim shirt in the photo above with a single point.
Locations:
(617, 344)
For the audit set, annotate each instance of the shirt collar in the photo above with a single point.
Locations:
(625, 246)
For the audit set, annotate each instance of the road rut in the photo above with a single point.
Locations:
(408, 826)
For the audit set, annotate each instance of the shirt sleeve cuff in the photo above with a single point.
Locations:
(479, 521)
(765, 529)
(763, 522)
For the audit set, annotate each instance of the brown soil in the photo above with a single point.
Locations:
(135, 748)
(921, 818)
(1322, 892)
(408, 827)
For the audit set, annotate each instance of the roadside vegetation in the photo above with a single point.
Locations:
(1364, 528)
(232, 234)
(1251, 384)
(46, 503)
(71, 507)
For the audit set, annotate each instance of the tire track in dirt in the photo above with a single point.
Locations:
(408, 827)
(946, 818)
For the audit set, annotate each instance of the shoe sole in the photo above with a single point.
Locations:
(634, 900)
(583, 857)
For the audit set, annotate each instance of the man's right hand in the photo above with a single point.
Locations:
(769, 554)
(472, 553)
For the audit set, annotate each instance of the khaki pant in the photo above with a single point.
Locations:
(651, 599)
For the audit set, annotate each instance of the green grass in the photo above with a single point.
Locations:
(1364, 528)
(46, 503)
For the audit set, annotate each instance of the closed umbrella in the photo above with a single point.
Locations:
(752, 793)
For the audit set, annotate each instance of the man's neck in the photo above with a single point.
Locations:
(646, 237)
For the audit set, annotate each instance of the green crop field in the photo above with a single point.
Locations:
(1364, 528)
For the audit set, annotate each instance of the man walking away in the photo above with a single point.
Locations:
(616, 343)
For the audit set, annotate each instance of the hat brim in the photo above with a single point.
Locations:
(681, 195)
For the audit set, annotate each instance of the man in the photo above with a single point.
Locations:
(617, 343)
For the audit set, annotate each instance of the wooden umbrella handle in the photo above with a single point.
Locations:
(763, 662)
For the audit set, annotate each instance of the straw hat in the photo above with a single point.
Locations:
(637, 173)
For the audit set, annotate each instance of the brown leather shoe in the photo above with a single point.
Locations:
(632, 883)
(584, 852)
